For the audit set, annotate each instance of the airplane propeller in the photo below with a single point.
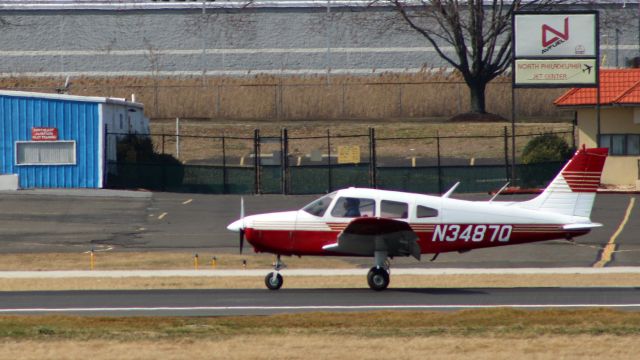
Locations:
(241, 232)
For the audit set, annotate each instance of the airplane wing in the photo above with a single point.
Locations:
(364, 236)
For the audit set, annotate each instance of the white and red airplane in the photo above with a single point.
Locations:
(384, 224)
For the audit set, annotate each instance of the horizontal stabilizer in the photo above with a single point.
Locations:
(581, 226)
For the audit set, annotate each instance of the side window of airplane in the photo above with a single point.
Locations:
(354, 207)
(426, 212)
(394, 209)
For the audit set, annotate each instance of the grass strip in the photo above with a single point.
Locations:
(326, 282)
(489, 322)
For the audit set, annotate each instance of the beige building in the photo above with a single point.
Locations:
(619, 122)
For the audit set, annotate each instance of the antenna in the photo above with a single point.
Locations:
(65, 88)
(499, 191)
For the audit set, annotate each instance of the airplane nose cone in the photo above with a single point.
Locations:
(235, 226)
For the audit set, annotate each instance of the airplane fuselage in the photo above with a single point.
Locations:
(456, 225)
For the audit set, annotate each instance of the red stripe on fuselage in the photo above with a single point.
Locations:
(311, 242)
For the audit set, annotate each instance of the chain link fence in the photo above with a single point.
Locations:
(290, 164)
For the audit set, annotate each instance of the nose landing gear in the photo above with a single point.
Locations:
(274, 280)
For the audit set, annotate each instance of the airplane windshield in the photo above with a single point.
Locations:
(319, 207)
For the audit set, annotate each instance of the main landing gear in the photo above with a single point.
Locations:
(378, 276)
(274, 280)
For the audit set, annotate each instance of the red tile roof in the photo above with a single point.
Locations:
(617, 87)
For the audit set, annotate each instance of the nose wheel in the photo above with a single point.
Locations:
(274, 280)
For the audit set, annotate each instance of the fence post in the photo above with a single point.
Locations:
(329, 160)
(164, 167)
(224, 167)
(373, 176)
(506, 154)
(439, 164)
(284, 160)
(178, 138)
(256, 159)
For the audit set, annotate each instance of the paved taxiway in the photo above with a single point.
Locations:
(77, 221)
(265, 302)
(42, 221)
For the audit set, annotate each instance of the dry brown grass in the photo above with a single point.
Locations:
(333, 347)
(154, 261)
(376, 96)
(478, 334)
(451, 143)
(320, 282)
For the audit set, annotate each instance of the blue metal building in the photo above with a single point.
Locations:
(58, 141)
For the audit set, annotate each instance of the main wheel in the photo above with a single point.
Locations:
(273, 282)
(378, 279)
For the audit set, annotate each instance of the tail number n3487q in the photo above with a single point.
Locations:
(472, 232)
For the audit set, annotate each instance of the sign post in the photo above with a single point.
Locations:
(554, 50)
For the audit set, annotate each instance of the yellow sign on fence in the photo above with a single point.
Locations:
(348, 154)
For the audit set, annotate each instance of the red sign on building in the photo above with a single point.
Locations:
(44, 134)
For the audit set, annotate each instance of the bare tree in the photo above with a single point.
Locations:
(478, 31)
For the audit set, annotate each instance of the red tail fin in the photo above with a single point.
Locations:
(582, 173)
(572, 191)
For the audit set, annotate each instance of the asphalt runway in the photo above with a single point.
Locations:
(265, 302)
(76, 221)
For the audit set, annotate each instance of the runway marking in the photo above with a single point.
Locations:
(318, 308)
(105, 248)
(162, 216)
(187, 202)
(609, 249)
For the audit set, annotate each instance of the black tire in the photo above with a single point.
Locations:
(273, 283)
(378, 279)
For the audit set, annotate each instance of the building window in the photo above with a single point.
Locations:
(621, 144)
(45, 153)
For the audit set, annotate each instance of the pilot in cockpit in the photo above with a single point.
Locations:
(352, 207)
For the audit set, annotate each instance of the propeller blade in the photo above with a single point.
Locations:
(242, 209)
(241, 240)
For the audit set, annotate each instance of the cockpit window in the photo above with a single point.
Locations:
(354, 207)
(319, 207)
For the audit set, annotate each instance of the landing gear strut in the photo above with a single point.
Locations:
(274, 280)
(378, 276)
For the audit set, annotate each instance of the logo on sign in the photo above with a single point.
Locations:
(552, 37)
(44, 134)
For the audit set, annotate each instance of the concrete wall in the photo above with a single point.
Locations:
(224, 40)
